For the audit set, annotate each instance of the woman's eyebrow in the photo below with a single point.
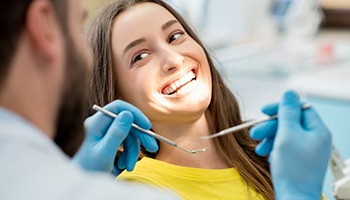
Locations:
(141, 40)
(168, 24)
(133, 43)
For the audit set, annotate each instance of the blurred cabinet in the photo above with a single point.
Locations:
(335, 4)
(336, 13)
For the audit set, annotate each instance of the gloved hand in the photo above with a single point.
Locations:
(299, 145)
(104, 135)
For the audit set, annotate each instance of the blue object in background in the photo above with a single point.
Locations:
(279, 10)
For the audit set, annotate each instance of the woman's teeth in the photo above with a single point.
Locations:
(177, 85)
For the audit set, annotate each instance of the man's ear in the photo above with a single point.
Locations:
(43, 28)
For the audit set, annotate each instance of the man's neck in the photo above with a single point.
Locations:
(25, 93)
(36, 119)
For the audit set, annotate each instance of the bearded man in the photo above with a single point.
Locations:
(44, 70)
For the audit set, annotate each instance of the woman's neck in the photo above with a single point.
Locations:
(188, 135)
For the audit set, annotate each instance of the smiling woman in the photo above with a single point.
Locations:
(146, 54)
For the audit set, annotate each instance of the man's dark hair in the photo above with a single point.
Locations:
(12, 19)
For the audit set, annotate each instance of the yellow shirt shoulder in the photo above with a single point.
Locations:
(192, 183)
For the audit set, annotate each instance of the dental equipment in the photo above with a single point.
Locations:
(153, 134)
(341, 175)
(246, 125)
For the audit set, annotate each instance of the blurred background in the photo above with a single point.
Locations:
(267, 46)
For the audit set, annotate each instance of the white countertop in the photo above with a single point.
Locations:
(332, 83)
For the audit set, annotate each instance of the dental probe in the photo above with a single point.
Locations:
(246, 125)
(148, 132)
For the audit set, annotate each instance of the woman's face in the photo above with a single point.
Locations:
(161, 69)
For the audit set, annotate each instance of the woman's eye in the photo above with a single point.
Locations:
(139, 57)
(175, 36)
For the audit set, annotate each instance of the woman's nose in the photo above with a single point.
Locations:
(172, 60)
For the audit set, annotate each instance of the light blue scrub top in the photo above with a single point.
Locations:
(33, 167)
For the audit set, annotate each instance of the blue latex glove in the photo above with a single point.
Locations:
(299, 145)
(104, 135)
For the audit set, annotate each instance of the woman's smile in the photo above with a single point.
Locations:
(180, 85)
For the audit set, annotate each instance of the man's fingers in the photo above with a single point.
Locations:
(264, 148)
(270, 109)
(116, 171)
(289, 110)
(132, 150)
(140, 119)
(264, 130)
(147, 141)
(311, 120)
(121, 161)
(117, 132)
(97, 125)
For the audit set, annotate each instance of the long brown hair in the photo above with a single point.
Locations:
(238, 149)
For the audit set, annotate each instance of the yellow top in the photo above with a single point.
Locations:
(192, 183)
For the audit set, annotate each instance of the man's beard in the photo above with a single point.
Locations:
(70, 129)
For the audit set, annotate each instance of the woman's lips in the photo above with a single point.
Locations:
(178, 84)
